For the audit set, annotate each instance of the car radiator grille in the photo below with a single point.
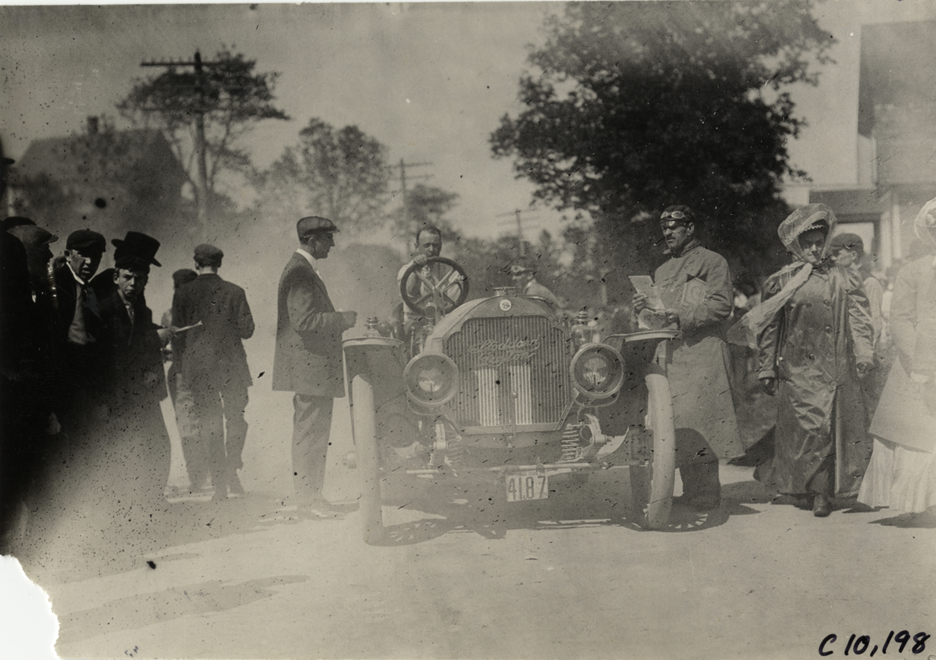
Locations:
(513, 371)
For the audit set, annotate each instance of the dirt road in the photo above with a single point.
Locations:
(464, 576)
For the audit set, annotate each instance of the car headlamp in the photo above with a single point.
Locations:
(431, 379)
(597, 371)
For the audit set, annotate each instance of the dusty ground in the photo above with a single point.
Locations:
(462, 577)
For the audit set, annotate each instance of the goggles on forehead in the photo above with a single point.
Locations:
(675, 215)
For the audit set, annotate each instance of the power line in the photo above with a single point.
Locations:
(403, 165)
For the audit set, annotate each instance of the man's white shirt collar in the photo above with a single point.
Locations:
(308, 257)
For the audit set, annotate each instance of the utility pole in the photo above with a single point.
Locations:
(516, 214)
(201, 179)
(403, 167)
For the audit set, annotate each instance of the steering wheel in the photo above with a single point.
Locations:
(441, 289)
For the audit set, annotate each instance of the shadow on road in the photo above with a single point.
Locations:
(925, 520)
(416, 515)
(134, 612)
(68, 550)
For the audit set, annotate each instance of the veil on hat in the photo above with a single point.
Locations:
(812, 216)
(924, 224)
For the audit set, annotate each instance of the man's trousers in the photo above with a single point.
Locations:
(193, 449)
(214, 408)
(312, 417)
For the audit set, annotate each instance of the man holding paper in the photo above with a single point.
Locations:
(695, 297)
(213, 318)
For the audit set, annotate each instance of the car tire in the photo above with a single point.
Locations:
(368, 458)
(652, 485)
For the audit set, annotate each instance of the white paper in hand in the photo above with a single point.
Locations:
(644, 284)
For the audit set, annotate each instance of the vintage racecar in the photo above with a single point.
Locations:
(506, 387)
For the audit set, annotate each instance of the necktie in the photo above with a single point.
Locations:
(77, 333)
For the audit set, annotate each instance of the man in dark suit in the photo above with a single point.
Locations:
(134, 469)
(26, 403)
(212, 359)
(308, 359)
(78, 329)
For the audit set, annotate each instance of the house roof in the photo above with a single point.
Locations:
(106, 155)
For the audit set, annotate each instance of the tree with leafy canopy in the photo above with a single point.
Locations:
(230, 95)
(342, 175)
(638, 105)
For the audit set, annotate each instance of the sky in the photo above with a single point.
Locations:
(430, 81)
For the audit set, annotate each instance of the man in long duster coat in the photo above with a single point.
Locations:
(811, 351)
(695, 288)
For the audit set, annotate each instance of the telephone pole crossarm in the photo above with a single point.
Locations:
(516, 213)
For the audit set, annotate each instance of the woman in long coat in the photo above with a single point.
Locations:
(813, 349)
(902, 473)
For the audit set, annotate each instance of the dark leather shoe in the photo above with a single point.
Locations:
(804, 502)
(822, 507)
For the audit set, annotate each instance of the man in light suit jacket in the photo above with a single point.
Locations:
(308, 360)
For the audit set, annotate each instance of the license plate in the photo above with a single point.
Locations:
(527, 485)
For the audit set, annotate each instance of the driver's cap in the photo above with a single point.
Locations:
(314, 223)
(520, 266)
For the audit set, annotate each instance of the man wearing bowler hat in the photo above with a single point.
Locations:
(136, 466)
(211, 356)
(308, 360)
(133, 244)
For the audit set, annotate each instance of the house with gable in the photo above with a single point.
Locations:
(107, 180)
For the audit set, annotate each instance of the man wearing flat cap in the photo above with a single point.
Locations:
(79, 325)
(211, 357)
(36, 240)
(847, 251)
(308, 359)
(524, 276)
(195, 453)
